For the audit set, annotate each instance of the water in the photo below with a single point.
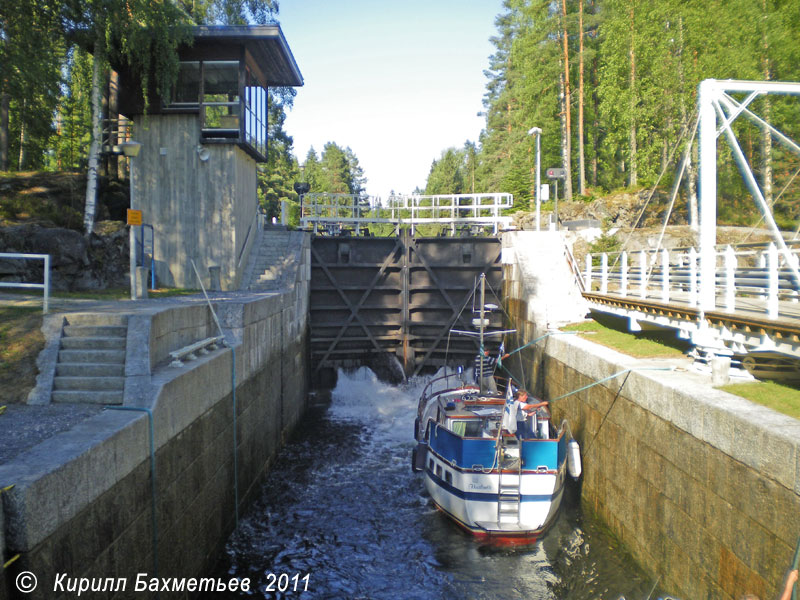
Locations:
(342, 507)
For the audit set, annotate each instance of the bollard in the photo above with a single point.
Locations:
(142, 278)
(720, 371)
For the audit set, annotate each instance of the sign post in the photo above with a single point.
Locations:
(555, 174)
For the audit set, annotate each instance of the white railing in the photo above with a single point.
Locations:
(452, 209)
(45, 285)
(748, 277)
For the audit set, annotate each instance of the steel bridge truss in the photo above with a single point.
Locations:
(718, 110)
(330, 212)
(742, 299)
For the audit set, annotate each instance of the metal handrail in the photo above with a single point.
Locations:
(45, 285)
(452, 209)
(769, 278)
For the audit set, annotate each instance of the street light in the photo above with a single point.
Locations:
(537, 131)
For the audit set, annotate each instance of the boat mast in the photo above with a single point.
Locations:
(483, 310)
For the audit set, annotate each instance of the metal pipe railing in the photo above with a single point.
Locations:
(666, 274)
(45, 285)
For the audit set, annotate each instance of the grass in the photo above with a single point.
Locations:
(106, 294)
(647, 344)
(777, 396)
(21, 340)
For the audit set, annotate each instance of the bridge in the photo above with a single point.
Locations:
(724, 299)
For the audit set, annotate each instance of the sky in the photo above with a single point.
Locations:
(398, 81)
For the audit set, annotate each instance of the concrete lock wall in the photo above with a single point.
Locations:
(701, 486)
(82, 500)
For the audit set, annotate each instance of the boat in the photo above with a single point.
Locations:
(495, 476)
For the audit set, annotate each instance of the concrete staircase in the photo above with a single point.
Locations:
(275, 261)
(91, 360)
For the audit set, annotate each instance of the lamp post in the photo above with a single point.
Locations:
(131, 150)
(537, 131)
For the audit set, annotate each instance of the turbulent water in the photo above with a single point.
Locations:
(343, 516)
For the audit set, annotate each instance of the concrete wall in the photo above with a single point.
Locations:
(200, 210)
(82, 504)
(702, 487)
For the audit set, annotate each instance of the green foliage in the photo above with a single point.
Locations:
(74, 116)
(31, 52)
(643, 62)
(605, 243)
(337, 171)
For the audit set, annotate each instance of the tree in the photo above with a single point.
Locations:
(142, 34)
(338, 171)
(447, 174)
(29, 79)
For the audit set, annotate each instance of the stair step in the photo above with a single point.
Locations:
(90, 370)
(81, 397)
(98, 319)
(89, 384)
(93, 343)
(91, 356)
(95, 331)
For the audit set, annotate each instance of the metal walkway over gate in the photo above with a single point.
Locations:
(328, 213)
(372, 296)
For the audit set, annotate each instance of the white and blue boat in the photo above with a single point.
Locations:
(498, 471)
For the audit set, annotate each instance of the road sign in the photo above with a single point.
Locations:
(545, 193)
(134, 217)
(556, 173)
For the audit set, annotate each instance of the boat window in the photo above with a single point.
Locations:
(473, 428)
(439, 470)
(458, 427)
(448, 477)
(430, 465)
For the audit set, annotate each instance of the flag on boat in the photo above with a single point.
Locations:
(510, 410)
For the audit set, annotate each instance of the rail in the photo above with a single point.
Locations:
(45, 285)
(333, 211)
(752, 277)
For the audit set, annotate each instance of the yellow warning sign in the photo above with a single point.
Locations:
(134, 217)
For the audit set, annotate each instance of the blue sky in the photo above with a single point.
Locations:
(396, 80)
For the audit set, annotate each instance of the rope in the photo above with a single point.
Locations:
(235, 454)
(684, 130)
(795, 562)
(152, 477)
(761, 218)
(675, 189)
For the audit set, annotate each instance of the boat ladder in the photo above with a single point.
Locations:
(509, 497)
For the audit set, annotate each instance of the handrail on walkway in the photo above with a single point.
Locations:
(43, 286)
(446, 209)
(762, 277)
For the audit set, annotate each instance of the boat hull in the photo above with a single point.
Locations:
(472, 497)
